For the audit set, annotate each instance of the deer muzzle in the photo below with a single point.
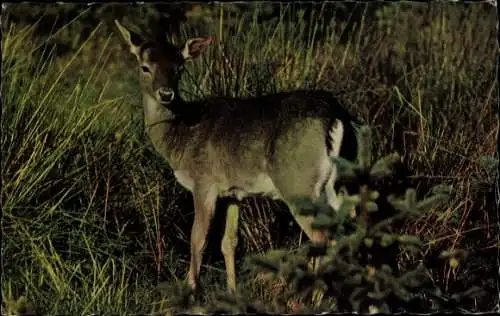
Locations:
(166, 96)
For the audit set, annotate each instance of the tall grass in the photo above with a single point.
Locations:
(92, 218)
(253, 58)
(57, 148)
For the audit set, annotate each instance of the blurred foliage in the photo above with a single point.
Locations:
(169, 17)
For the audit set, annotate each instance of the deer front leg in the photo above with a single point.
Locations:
(229, 243)
(204, 209)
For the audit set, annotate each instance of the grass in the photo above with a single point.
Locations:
(92, 217)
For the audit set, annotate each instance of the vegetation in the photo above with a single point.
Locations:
(93, 221)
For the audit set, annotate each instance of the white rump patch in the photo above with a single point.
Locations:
(336, 134)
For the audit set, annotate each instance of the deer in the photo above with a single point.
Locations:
(278, 145)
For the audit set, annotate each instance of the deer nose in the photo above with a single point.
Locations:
(166, 96)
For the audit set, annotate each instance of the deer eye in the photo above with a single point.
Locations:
(145, 69)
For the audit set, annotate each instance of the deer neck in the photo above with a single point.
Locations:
(167, 135)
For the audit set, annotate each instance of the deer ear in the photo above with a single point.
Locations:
(133, 40)
(195, 46)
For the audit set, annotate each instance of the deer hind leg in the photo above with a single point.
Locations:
(305, 223)
(316, 236)
(319, 177)
(324, 179)
(204, 209)
(229, 243)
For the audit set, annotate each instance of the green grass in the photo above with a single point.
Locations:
(93, 219)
